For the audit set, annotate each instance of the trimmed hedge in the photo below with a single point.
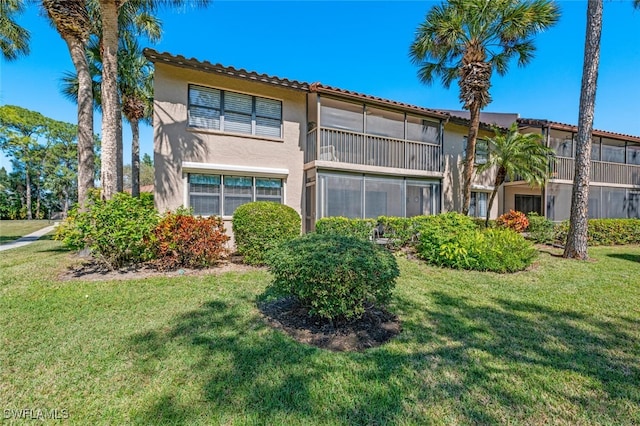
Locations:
(605, 232)
(357, 228)
(260, 226)
(335, 276)
(541, 229)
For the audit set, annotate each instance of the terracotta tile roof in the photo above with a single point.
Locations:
(321, 88)
(570, 127)
(193, 63)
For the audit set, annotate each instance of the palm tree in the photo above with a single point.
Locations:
(576, 247)
(467, 40)
(14, 39)
(136, 88)
(71, 19)
(517, 156)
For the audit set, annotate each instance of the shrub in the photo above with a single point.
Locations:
(435, 231)
(116, 231)
(335, 276)
(358, 228)
(605, 232)
(454, 241)
(514, 220)
(402, 231)
(261, 225)
(182, 240)
(541, 229)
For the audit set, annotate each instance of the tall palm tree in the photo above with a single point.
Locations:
(71, 20)
(136, 89)
(517, 156)
(576, 247)
(469, 39)
(14, 39)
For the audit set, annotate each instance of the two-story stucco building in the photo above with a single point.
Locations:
(225, 136)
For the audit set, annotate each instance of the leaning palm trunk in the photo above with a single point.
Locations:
(110, 106)
(576, 247)
(500, 178)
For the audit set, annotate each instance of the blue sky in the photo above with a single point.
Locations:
(361, 46)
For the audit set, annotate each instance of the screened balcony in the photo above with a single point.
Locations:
(369, 136)
(601, 171)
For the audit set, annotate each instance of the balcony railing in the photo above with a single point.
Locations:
(369, 150)
(601, 171)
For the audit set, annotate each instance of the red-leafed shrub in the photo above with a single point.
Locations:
(182, 240)
(514, 220)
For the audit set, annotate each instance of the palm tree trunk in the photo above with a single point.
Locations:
(110, 107)
(120, 155)
(576, 247)
(135, 158)
(469, 164)
(500, 176)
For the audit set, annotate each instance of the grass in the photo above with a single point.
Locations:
(13, 229)
(558, 344)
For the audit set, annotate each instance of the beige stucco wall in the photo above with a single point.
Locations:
(175, 143)
(452, 182)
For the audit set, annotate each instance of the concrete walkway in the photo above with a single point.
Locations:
(27, 239)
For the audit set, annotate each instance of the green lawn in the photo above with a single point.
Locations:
(558, 344)
(13, 229)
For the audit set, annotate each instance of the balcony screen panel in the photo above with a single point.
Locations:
(613, 150)
(558, 201)
(633, 153)
(595, 151)
(383, 197)
(614, 202)
(595, 202)
(421, 130)
(422, 198)
(563, 147)
(633, 210)
(342, 196)
(268, 127)
(385, 123)
(237, 191)
(341, 115)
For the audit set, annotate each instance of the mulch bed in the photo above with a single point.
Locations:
(374, 328)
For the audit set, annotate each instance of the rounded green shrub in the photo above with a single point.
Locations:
(338, 225)
(334, 276)
(434, 231)
(261, 225)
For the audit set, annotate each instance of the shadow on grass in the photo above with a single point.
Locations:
(485, 364)
(632, 257)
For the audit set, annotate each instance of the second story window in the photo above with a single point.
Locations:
(234, 112)
(482, 151)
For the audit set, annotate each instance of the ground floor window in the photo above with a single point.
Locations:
(211, 195)
(369, 196)
(528, 203)
(478, 204)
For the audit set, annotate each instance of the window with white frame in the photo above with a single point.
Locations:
(482, 151)
(233, 112)
(478, 204)
(213, 195)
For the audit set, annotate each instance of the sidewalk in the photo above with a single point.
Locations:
(27, 239)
